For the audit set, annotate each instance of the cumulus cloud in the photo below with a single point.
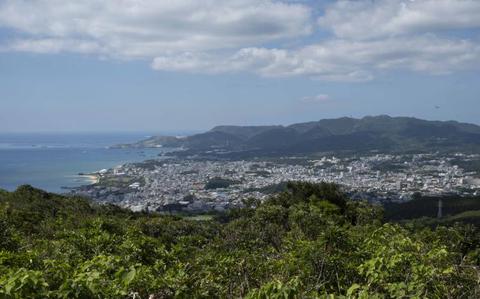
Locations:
(146, 28)
(369, 37)
(212, 36)
(337, 60)
(266, 62)
(388, 18)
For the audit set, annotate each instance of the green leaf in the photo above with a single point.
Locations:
(129, 276)
(353, 289)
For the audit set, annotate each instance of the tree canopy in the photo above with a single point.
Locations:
(309, 241)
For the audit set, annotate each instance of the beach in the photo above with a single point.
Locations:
(91, 178)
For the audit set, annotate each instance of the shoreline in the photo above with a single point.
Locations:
(91, 178)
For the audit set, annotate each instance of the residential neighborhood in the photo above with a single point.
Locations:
(183, 184)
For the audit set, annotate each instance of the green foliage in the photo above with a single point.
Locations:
(298, 192)
(428, 207)
(23, 283)
(277, 290)
(307, 242)
(8, 238)
(402, 267)
(218, 182)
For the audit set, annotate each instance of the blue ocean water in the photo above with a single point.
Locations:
(53, 161)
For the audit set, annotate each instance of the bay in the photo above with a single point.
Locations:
(52, 161)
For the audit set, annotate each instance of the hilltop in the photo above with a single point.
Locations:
(371, 133)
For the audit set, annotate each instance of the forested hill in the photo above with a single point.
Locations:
(307, 242)
(381, 133)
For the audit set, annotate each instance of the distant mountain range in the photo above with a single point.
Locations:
(371, 133)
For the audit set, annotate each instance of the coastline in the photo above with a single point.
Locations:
(56, 161)
(92, 178)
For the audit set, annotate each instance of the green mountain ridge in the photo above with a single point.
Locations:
(381, 133)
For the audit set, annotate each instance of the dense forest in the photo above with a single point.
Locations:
(309, 241)
(453, 208)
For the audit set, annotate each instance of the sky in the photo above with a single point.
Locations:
(179, 65)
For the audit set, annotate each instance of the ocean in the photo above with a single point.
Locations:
(52, 161)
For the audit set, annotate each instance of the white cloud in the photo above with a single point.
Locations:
(146, 28)
(54, 45)
(267, 62)
(386, 18)
(370, 37)
(337, 60)
(216, 36)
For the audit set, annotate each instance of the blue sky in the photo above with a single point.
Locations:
(150, 65)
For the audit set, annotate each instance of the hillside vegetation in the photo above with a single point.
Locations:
(307, 242)
(380, 133)
(427, 206)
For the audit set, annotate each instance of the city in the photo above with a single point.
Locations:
(183, 185)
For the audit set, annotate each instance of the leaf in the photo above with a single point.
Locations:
(448, 270)
(353, 289)
(129, 276)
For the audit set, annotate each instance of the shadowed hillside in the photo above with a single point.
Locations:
(381, 133)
